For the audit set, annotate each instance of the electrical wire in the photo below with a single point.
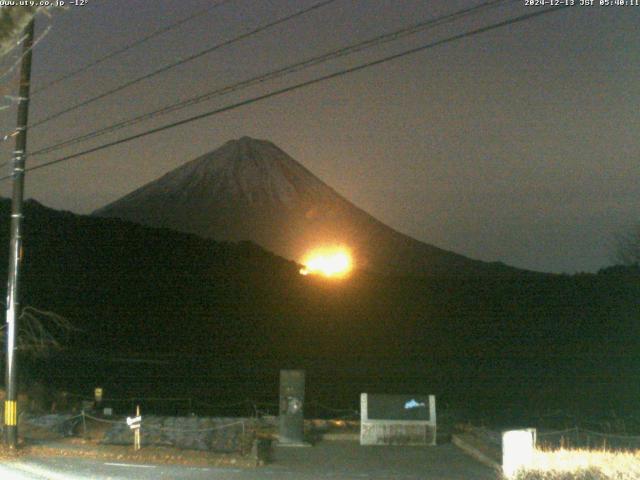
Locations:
(298, 86)
(170, 66)
(278, 73)
(131, 45)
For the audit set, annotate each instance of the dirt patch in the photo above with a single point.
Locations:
(156, 455)
(10, 453)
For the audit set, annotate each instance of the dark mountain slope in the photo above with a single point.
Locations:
(225, 317)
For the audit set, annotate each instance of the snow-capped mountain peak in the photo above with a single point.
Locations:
(247, 170)
(250, 189)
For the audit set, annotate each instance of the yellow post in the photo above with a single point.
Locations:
(11, 413)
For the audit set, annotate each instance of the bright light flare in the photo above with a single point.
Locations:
(333, 263)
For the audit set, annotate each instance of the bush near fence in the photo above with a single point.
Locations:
(577, 464)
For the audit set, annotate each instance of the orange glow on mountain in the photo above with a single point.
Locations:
(335, 262)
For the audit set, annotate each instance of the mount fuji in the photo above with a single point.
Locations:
(252, 190)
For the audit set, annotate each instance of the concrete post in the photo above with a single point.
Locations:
(517, 450)
(291, 411)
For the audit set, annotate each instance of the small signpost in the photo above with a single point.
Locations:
(97, 396)
(134, 424)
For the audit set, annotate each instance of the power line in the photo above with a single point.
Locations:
(184, 60)
(274, 74)
(131, 45)
(298, 86)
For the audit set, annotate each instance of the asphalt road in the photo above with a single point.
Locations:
(328, 460)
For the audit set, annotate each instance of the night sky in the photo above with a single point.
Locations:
(519, 145)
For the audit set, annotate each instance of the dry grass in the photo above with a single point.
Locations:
(566, 464)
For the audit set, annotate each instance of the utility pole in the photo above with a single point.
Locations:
(15, 252)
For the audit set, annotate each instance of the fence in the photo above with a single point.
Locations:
(489, 447)
(243, 407)
(577, 437)
(222, 435)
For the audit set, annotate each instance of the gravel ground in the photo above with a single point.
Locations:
(349, 460)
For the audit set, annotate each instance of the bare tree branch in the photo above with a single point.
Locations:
(13, 21)
(40, 331)
(17, 62)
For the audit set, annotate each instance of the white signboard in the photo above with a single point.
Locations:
(410, 420)
(134, 422)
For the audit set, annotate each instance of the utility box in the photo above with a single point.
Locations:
(291, 409)
(397, 419)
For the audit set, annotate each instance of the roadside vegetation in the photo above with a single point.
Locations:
(578, 464)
